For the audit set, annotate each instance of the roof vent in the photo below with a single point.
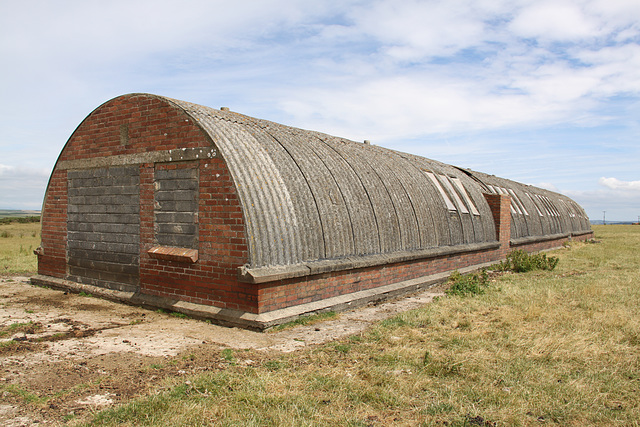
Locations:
(224, 108)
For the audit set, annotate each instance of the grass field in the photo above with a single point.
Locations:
(557, 347)
(17, 242)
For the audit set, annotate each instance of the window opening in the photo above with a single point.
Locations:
(577, 210)
(568, 208)
(534, 204)
(446, 198)
(465, 195)
(176, 207)
(514, 203)
(518, 202)
(552, 206)
(447, 183)
(545, 205)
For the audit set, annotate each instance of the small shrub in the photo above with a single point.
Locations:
(520, 261)
(468, 284)
(5, 234)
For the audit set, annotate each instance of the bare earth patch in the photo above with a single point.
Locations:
(63, 355)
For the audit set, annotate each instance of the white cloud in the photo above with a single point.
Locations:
(411, 30)
(388, 107)
(556, 21)
(620, 199)
(618, 185)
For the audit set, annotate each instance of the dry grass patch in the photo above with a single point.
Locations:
(555, 347)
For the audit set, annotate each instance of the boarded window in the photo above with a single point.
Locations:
(176, 207)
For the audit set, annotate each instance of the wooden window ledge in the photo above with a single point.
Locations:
(169, 253)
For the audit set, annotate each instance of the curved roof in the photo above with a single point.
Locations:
(310, 196)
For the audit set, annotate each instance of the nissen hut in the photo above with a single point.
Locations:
(247, 222)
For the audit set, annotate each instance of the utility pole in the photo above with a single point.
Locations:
(604, 217)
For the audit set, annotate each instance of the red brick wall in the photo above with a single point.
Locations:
(284, 293)
(222, 247)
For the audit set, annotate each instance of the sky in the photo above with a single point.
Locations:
(542, 92)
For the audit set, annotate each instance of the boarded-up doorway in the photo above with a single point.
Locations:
(103, 227)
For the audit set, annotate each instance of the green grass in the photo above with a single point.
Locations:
(17, 243)
(557, 347)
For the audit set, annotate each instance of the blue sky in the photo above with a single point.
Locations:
(542, 92)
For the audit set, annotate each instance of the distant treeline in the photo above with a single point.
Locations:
(600, 222)
(20, 219)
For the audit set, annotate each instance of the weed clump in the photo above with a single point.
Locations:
(468, 284)
(520, 261)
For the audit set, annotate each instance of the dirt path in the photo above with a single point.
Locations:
(64, 355)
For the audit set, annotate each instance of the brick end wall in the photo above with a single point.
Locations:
(138, 124)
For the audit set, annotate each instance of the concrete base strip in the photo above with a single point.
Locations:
(254, 321)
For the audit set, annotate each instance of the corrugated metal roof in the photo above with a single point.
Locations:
(309, 196)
